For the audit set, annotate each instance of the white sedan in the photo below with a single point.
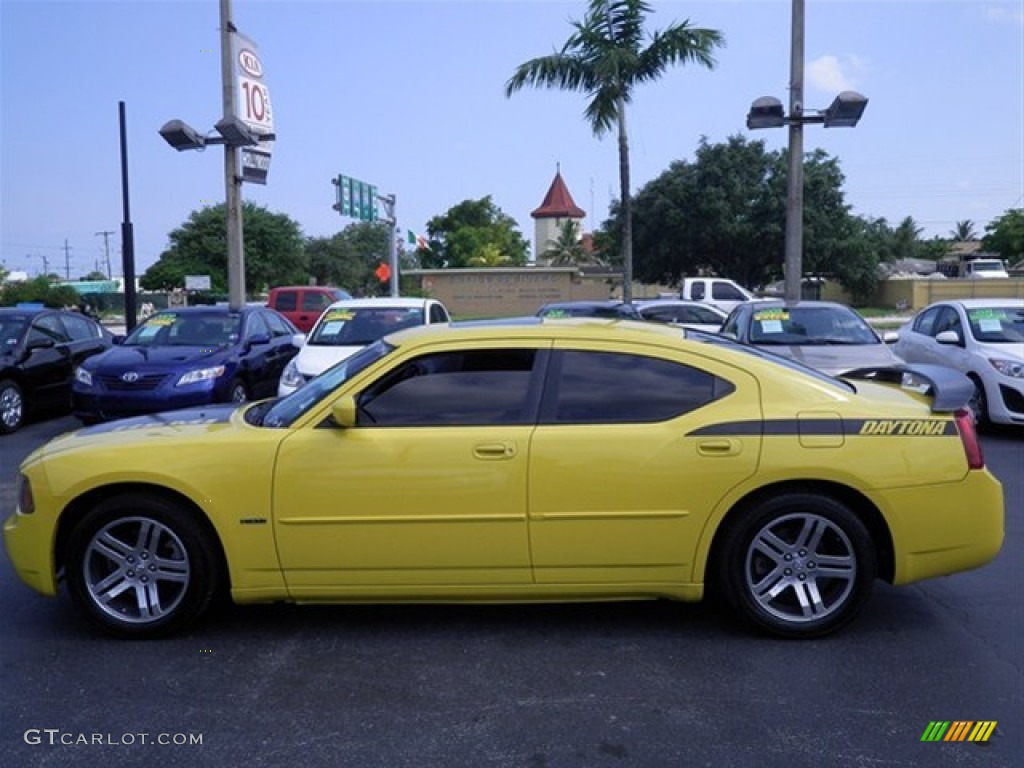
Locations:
(983, 338)
(347, 326)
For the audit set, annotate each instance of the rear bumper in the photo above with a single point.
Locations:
(946, 528)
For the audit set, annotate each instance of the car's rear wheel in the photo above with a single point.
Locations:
(797, 565)
(12, 407)
(141, 566)
(237, 393)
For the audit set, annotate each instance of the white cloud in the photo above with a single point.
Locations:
(1001, 15)
(831, 74)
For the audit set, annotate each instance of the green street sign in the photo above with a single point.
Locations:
(356, 199)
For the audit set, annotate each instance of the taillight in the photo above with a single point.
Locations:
(969, 437)
(26, 503)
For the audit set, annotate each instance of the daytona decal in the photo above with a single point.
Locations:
(873, 427)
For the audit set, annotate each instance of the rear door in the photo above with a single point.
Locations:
(621, 485)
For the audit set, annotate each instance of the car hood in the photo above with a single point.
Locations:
(314, 359)
(1011, 350)
(837, 359)
(118, 359)
(193, 423)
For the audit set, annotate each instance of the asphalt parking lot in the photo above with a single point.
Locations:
(607, 684)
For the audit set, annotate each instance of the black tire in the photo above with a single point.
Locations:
(12, 407)
(770, 565)
(979, 406)
(140, 566)
(237, 392)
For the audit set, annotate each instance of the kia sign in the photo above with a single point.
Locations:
(252, 106)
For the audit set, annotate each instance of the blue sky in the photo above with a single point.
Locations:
(410, 96)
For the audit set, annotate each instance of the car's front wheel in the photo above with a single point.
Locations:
(797, 565)
(12, 407)
(237, 393)
(141, 566)
(979, 405)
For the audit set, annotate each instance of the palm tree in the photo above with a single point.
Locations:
(964, 232)
(566, 249)
(603, 58)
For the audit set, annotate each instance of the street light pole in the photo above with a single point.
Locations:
(795, 177)
(232, 177)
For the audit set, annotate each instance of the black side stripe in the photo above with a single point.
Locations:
(872, 427)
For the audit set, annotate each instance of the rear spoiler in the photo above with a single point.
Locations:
(949, 389)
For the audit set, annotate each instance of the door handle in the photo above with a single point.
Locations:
(721, 447)
(494, 451)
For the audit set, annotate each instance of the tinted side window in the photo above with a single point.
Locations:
(256, 326)
(925, 323)
(48, 327)
(437, 314)
(315, 301)
(80, 329)
(697, 291)
(473, 387)
(285, 301)
(726, 291)
(277, 324)
(616, 388)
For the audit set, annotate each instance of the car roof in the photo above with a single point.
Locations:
(394, 302)
(646, 303)
(585, 303)
(995, 301)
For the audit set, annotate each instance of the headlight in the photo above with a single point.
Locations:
(1011, 368)
(203, 374)
(291, 376)
(83, 377)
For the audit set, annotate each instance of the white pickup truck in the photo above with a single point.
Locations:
(723, 293)
(984, 268)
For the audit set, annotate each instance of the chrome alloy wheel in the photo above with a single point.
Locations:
(136, 569)
(12, 408)
(800, 567)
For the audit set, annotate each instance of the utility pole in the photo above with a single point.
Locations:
(45, 258)
(106, 249)
(67, 260)
(232, 177)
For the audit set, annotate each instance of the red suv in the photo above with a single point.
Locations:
(303, 304)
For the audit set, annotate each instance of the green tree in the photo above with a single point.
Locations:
(350, 258)
(605, 59)
(1005, 236)
(566, 249)
(273, 242)
(725, 212)
(473, 229)
(94, 275)
(40, 289)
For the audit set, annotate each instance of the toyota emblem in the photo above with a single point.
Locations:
(129, 378)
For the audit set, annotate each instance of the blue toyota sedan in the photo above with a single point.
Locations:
(186, 357)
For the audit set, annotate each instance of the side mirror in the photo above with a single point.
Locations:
(343, 410)
(259, 338)
(119, 338)
(891, 337)
(948, 337)
(298, 339)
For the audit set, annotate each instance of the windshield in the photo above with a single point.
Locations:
(187, 329)
(11, 329)
(359, 326)
(284, 411)
(997, 325)
(798, 326)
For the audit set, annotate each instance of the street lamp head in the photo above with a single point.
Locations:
(235, 132)
(766, 112)
(181, 135)
(846, 110)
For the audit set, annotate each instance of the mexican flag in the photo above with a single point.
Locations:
(417, 241)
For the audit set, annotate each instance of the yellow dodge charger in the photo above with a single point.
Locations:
(528, 459)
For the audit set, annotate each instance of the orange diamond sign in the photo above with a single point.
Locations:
(383, 273)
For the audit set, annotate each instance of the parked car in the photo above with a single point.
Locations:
(39, 349)
(515, 460)
(303, 304)
(607, 309)
(825, 335)
(186, 357)
(348, 326)
(983, 338)
(691, 314)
